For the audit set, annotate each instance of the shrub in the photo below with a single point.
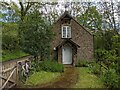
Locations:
(118, 65)
(82, 63)
(10, 41)
(35, 66)
(95, 68)
(111, 78)
(52, 66)
(100, 54)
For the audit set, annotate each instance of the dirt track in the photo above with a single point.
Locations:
(68, 78)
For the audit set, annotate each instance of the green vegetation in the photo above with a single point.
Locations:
(42, 72)
(108, 75)
(30, 32)
(95, 68)
(91, 18)
(41, 77)
(83, 63)
(87, 79)
(107, 71)
(52, 66)
(108, 62)
(10, 40)
(7, 55)
(37, 43)
(111, 78)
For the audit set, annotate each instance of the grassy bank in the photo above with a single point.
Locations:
(7, 55)
(41, 77)
(87, 80)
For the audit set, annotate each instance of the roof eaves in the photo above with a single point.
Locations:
(67, 40)
(82, 26)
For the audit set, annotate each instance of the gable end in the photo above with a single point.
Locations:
(67, 16)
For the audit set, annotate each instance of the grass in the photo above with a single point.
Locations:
(41, 77)
(51, 66)
(87, 80)
(7, 55)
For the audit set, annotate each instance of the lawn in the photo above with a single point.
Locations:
(87, 80)
(7, 55)
(41, 77)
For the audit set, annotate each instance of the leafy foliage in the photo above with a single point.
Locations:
(82, 63)
(109, 56)
(10, 36)
(116, 44)
(111, 78)
(107, 37)
(100, 54)
(36, 35)
(34, 29)
(95, 68)
(107, 52)
(35, 66)
(52, 66)
(91, 18)
(104, 39)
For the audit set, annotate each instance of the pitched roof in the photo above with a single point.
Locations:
(67, 13)
(67, 40)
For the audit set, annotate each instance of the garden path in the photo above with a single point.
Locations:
(66, 79)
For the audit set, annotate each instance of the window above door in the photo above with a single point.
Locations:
(66, 31)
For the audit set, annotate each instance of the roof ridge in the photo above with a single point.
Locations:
(67, 13)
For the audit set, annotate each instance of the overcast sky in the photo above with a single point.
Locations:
(63, 0)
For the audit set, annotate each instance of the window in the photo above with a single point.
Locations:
(66, 32)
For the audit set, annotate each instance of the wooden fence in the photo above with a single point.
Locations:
(8, 83)
(9, 74)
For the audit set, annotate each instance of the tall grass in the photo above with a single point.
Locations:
(52, 66)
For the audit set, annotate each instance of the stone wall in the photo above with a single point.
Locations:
(79, 35)
(83, 38)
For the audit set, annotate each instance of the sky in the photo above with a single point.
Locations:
(63, 0)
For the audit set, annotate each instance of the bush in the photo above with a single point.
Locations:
(51, 66)
(95, 68)
(10, 42)
(118, 65)
(100, 54)
(82, 63)
(111, 78)
(35, 66)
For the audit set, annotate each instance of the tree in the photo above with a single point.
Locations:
(110, 12)
(91, 19)
(116, 44)
(19, 10)
(10, 36)
(36, 35)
